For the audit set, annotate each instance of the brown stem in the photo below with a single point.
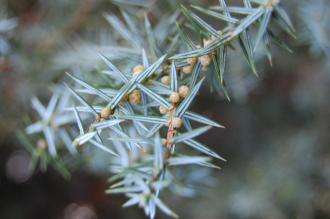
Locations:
(171, 131)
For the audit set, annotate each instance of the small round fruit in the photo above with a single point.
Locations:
(205, 60)
(187, 69)
(166, 68)
(165, 80)
(174, 97)
(183, 91)
(135, 97)
(138, 70)
(163, 110)
(192, 60)
(105, 112)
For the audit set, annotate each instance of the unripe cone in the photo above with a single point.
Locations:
(138, 70)
(105, 112)
(126, 97)
(135, 97)
(166, 68)
(165, 80)
(163, 110)
(205, 60)
(192, 60)
(187, 69)
(184, 91)
(174, 97)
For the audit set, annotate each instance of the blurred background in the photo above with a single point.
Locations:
(277, 134)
